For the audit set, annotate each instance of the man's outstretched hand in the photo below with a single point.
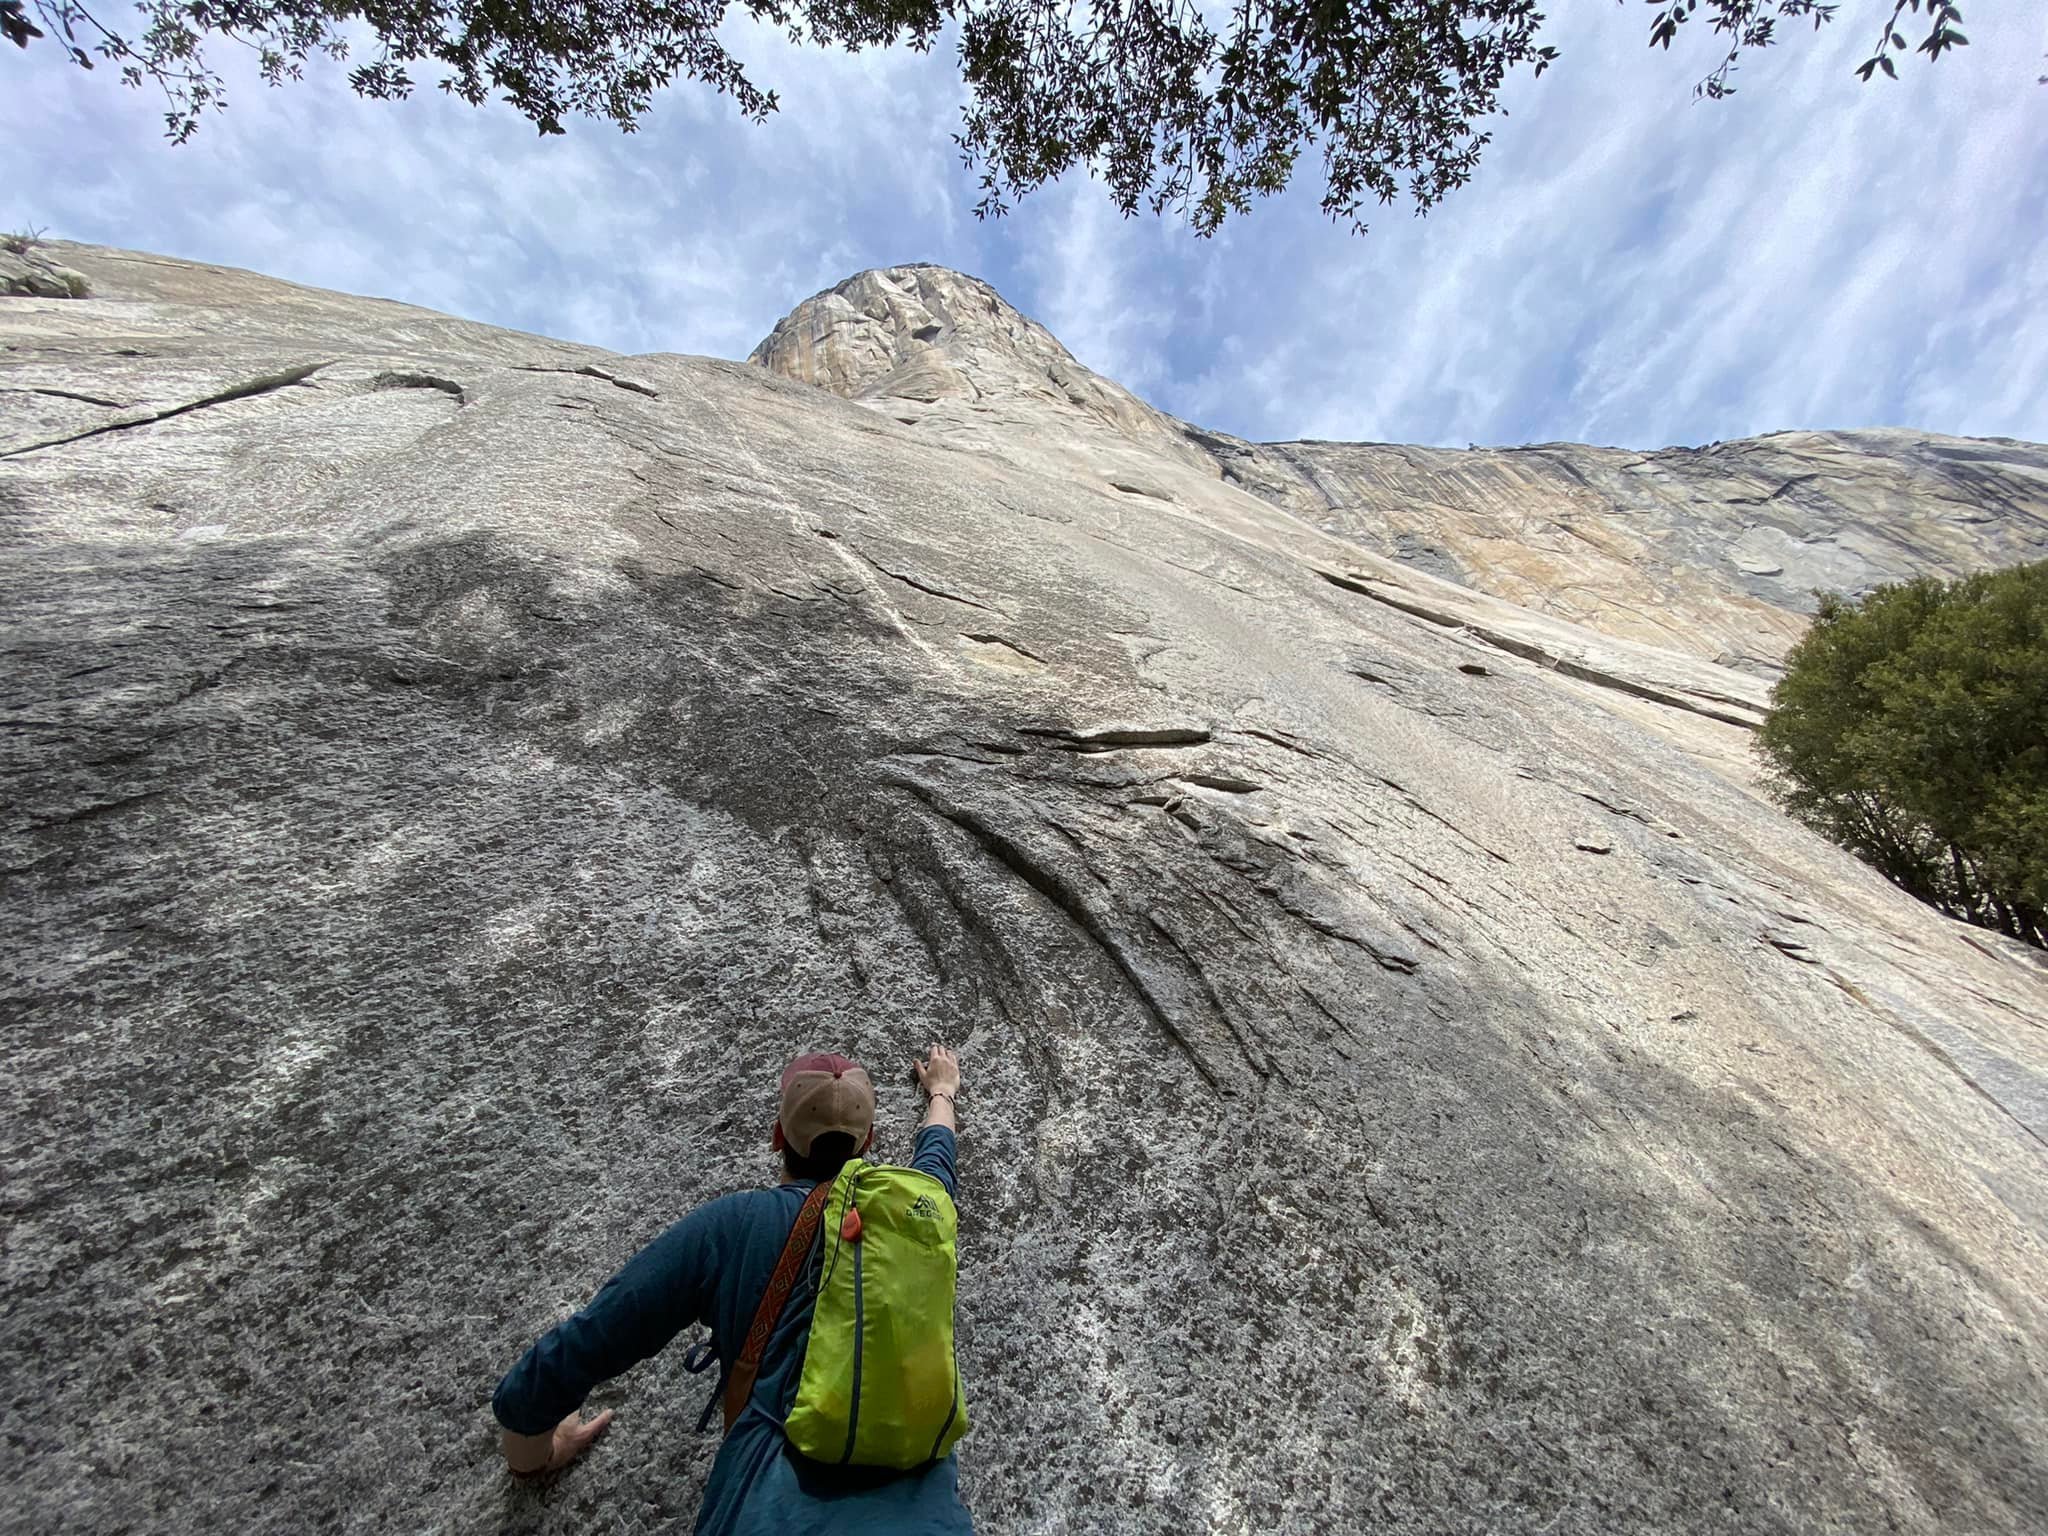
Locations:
(939, 1076)
(940, 1072)
(535, 1455)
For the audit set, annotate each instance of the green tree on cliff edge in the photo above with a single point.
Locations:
(1912, 728)
(1171, 106)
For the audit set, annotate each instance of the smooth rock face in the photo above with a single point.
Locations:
(1414, 1083)
(1712, 551)
(1715, 551)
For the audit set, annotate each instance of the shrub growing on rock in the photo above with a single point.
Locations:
(1911, 727)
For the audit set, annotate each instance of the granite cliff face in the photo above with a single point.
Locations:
(946, 350)
(1415, 1084)
(1713, 552)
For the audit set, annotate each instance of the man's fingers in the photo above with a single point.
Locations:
(578, 1437)
(936, 1055)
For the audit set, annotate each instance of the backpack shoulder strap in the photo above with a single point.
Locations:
(739, 1386)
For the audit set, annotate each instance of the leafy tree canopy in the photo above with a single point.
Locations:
(1173, 105)
(1912, 728)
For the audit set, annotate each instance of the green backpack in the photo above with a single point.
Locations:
(880, 1385)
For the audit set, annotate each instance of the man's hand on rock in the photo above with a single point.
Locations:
(939, 1072)
(530, 1456)
(939, 1076)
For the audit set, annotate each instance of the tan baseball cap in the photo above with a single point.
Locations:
(823, 1093)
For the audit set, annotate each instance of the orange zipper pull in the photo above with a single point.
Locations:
(849, 1229)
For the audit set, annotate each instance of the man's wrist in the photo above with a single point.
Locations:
(528, 1456)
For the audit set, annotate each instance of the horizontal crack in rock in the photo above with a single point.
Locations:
(1114, 738)
(66, 394)
(384, 381)
(1287, 742)
(261, 386)
(1700, 703)
(588, 372)
(913, 582)
(1221, 782)
(1008, 645)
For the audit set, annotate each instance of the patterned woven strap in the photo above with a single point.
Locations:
(739, 1386)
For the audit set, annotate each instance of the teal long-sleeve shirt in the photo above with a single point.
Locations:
(710, 1269)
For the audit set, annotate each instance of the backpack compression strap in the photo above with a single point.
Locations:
(739, 1386)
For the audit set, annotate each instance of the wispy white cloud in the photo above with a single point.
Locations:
(1628, 266)
(692, 235)
(1632, 266)
(1092, 274)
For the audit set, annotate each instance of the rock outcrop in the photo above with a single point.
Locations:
(1415, 1083)
(28, 273)
(947, 350)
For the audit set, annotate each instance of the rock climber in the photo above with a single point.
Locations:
(713, 1267)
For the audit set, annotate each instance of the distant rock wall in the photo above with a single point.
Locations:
(1715, 551)
(1712, 551)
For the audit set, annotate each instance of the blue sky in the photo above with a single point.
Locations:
(1630, 266)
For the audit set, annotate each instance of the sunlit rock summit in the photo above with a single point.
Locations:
(1416, 1083)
